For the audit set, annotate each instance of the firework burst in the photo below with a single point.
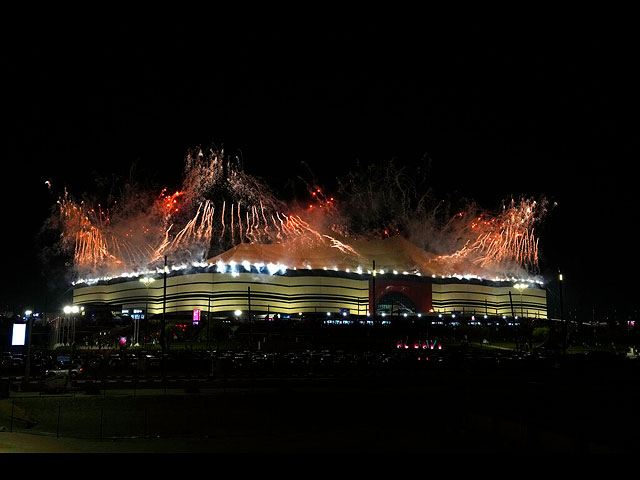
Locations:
(219, 206)
(501, 243)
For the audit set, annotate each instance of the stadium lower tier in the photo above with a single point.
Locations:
(312, 291)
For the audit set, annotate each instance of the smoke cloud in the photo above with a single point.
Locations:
(220, 206)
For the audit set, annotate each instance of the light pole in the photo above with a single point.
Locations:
(71, 312)
(208, 319)
(147, 281)
(520, 287)
(27, 368)
(67, 311)
(250, 322)
(163, 340)
(373, 292)
(564, 324)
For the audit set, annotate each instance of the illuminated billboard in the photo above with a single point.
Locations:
(19, 333)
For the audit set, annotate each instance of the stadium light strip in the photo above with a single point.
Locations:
(275, 268)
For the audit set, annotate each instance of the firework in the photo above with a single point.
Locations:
(503, 242)
(220, 207)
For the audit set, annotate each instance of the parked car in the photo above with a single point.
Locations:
(17, 361)
(69, 368)
(152, 361)
(6, 359)
(56, 380)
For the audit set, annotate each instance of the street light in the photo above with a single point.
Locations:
(147, 281)
(27, 367)
(564, 324)
(520, 287)
(70, 311)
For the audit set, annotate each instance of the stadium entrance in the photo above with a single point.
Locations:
(395, 303)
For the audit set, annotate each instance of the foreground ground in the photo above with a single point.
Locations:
(471, 407)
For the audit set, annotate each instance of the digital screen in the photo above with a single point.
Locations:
(19, 333)
(196, 316)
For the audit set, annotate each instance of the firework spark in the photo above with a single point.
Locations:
(219, 206)
(502, 242)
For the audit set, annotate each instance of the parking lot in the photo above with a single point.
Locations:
(401, 400)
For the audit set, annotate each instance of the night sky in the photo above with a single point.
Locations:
(546, 110)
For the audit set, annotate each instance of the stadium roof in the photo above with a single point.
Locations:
(392, 253)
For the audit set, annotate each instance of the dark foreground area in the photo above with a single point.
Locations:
(466, 407)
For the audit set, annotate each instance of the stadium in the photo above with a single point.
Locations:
(390, 275)
(233, 250)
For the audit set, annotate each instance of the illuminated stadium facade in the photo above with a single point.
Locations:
(250, 277)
